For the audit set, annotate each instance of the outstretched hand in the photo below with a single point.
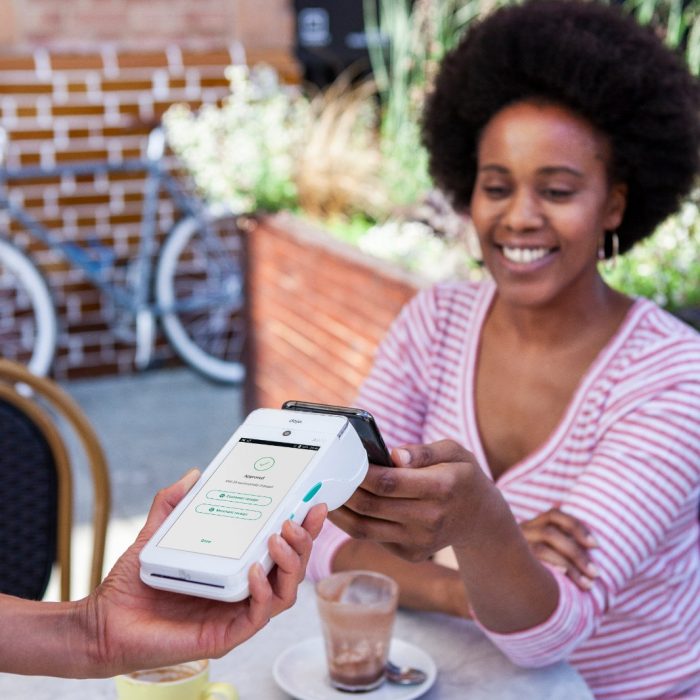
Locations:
(134, 626)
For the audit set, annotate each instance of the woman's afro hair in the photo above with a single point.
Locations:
(593, 60)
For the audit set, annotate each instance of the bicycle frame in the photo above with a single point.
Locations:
(94, 266)
(192, 281)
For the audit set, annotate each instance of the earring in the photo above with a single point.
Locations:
(611, 261)
(471, 239)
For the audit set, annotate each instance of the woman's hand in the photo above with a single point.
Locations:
(131, 626)
(562, 541)
(418, 510)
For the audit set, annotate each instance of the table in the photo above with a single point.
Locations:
(469, 666)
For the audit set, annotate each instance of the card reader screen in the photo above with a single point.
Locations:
(238, 498)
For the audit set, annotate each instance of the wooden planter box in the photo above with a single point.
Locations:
(318, 309)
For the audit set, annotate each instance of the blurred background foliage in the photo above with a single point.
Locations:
(351, 157)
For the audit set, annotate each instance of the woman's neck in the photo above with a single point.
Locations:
(564, 320)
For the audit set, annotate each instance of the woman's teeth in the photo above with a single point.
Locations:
(524, 255)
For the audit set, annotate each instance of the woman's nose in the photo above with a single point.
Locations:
(523, 212)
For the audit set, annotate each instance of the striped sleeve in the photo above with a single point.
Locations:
(396, 390)
(326, 545)
(639, 498)
(572, 621)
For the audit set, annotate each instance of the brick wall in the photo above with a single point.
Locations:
(59, 106)
(318, 310)
(139, 24)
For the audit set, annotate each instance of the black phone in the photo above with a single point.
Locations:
(363, 422)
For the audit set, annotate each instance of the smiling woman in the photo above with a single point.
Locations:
(542, 204)
(545, 426)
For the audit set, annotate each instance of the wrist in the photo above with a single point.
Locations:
(489, 517)
(452, 594)
(41, 638)
(84, 640)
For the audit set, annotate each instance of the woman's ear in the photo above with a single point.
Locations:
(617, 202)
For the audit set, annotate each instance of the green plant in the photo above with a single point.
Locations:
(414, 246)
(244, 153)
(338, 169)
(666, 266)
(677, 20)
(407, 42)
(272, 147)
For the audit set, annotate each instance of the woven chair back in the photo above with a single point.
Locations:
(28, 505)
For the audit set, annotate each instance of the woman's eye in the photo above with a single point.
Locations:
(495, 191)
(557, 194)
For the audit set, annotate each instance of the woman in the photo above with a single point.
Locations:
(567, 133)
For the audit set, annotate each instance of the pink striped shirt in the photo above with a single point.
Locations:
(625, 460)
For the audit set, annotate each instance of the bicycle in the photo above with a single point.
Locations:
(193, 286)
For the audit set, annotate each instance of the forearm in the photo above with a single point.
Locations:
(39, 638)
(423, 586)
(508, 588)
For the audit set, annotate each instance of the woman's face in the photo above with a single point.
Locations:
(542, 202)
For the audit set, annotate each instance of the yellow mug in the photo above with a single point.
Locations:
(187, 681)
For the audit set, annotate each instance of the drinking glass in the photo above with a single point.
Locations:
(357, 610)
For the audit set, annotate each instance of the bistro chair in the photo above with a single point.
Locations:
(36, 483)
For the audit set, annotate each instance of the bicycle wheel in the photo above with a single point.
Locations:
(199, 290)
(27, 312)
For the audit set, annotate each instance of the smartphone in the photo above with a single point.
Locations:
(363, 422)
(276, 466)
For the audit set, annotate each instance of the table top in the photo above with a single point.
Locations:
(469, 666)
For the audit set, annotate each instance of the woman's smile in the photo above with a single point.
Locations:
(526, 259)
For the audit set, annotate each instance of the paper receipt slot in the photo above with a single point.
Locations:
(277, 465)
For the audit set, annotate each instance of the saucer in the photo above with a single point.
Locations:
(301, 672)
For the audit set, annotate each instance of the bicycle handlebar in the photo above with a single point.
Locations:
(155, 151)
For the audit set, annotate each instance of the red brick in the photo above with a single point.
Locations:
(84, 61)
(154, 59)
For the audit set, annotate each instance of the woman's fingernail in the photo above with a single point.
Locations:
(586, 582)
(403, 455)
(591, 541)
(190, 477)
(592, 570)
(560, 569)
(295, 527)
(282, 543)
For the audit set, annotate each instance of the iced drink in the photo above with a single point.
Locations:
(357, 611)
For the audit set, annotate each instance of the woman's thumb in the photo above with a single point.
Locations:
(166, 499)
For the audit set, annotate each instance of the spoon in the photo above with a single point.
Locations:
(404, 675)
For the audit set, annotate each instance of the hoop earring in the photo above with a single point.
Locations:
(610, 261)
(471, 240)
(615, 250)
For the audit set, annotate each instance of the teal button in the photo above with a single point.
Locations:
(312, 492)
